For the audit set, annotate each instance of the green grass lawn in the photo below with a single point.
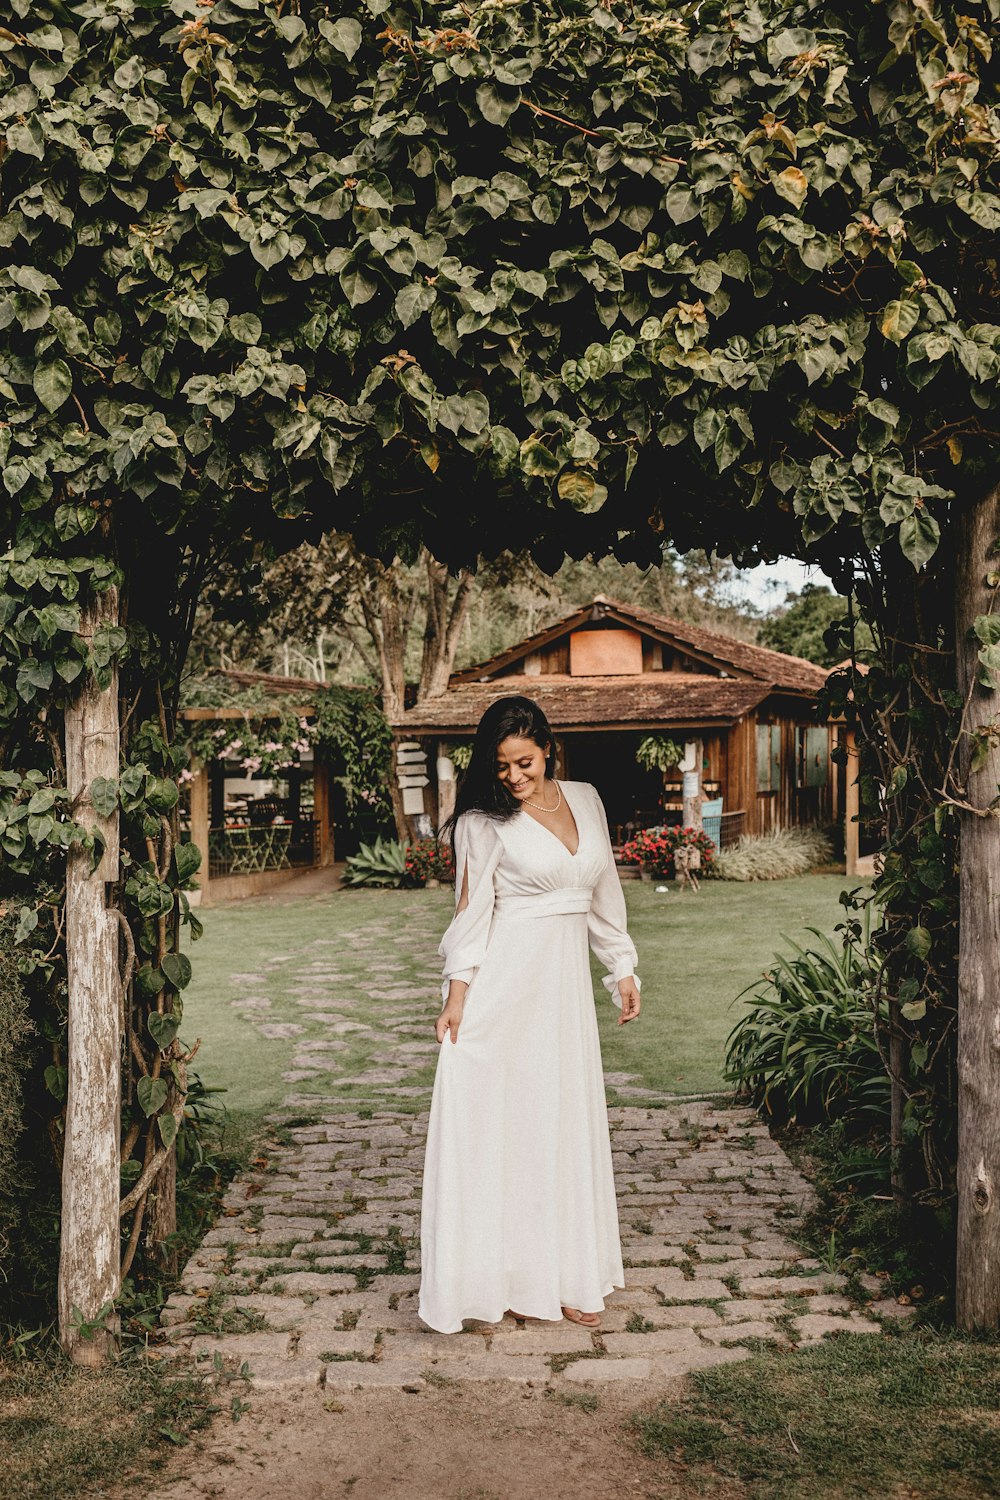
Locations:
(696, 954)
(855, 1416)
(349, 951)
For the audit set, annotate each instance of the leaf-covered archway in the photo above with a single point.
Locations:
(564, 274)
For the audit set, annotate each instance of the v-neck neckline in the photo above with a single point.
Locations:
(552, 834)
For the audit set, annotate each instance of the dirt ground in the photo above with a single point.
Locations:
(447, 1442)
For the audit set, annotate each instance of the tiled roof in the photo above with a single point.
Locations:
(652, 698)
(273, 682)
(792, 673)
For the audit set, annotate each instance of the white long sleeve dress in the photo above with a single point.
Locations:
(519, 1206)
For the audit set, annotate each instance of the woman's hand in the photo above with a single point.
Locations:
(628, 992)
(450, 1018)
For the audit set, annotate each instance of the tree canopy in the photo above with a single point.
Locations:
(811, 624)
(585, 274)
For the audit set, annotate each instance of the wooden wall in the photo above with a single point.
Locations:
(787, 804)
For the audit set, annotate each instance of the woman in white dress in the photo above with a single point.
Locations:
(519, 1209)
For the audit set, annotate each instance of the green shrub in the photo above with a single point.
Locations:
(776, 855)
(806, 1049)
(16, 1056)
(380, 863)
(29, 1137)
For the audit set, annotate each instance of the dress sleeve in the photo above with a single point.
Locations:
(606, 923)
(477, 854)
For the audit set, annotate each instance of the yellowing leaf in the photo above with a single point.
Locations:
(792, 184)
(576, 487)
(899, 319)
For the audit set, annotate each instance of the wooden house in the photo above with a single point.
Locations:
(611, 673)
(252, 836)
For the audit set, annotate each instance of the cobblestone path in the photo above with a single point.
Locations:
(310, 1277)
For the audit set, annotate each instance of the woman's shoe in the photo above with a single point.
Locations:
(586, 1320)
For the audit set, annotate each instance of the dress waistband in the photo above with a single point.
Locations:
(570, 898)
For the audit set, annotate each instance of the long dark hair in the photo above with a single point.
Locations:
(480, 789)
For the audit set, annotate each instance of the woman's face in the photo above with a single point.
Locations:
(521, 768)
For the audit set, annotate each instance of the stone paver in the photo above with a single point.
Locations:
(310, 1276)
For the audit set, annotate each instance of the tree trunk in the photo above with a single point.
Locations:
(390, 638)
(443, 628)
(387, 630)
(162, 1220)
(89, 1256)
(978, 1249)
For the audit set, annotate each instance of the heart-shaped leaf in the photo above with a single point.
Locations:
(151, 1094)
(177, 967)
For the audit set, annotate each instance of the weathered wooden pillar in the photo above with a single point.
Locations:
(977, 1293)
(200, 822)
(447, 786)
(217, 794)
(852, 803)
(89, 1255)
(323, 813)
(692, 784)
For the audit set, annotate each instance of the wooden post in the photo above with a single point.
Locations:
(199, 822)
(977, 1292)
(852, 803)
(89, 1251)
(447, 786)
(217, 794)
(322, 812)
(692, 786)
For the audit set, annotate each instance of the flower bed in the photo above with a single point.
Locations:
(429, 860)
(653, 849)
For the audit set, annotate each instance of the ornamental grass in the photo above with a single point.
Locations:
(776, 855)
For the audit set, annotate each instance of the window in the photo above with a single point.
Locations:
(813, 754)
(768, 757)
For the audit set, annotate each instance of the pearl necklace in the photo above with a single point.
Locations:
(539, 806)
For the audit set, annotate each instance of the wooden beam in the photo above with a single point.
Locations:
(852, 804)
(200, 819)
(197, 715)
(323, 813)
